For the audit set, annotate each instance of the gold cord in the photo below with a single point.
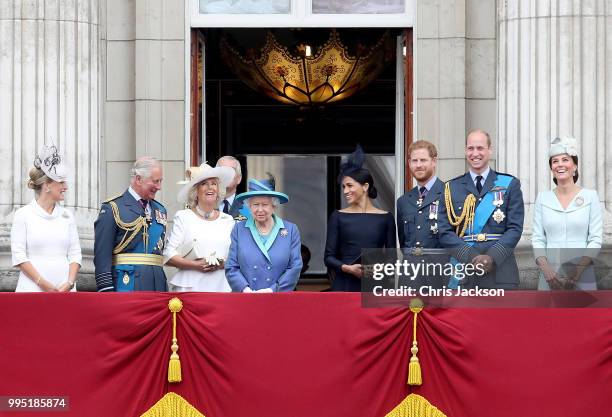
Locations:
(467, 214)
(131, 230)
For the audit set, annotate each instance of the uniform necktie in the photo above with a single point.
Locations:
(479, 183)
(144, 203)
(423, 191)
(226, 206)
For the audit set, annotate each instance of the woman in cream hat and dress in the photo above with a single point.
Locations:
(567, 224)
(199, 242)
(44, 239)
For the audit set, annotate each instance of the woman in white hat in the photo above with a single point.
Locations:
(44, 239)
(200, 238)
(567, 224)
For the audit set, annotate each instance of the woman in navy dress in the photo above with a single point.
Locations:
(359, 226)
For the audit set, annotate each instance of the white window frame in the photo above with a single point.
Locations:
(301, 16)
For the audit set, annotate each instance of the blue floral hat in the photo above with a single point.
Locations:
(263, 188)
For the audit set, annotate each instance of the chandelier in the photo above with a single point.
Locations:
(311, 75)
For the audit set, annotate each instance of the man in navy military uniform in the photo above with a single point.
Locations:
(130, 232)
(418, 211)
(481, 220)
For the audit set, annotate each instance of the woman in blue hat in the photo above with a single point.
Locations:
(265, 253)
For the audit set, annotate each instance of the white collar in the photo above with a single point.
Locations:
(484, 175)
(57, 210)
(429, 183)
(134, 194)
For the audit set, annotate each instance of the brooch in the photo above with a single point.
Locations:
(579, 201)
(499, 216)
(126, 278)
(284, 233)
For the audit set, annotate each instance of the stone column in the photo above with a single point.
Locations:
(555, 79)
(49, 67)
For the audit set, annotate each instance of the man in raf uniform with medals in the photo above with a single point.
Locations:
(130, 232)
(481, 220)
(418, 213)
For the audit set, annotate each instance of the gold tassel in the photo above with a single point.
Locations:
(174, 367)
(414, 367)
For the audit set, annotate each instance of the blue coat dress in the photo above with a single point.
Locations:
(276, 264)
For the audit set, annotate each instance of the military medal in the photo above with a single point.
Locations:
(126, 278)
(499, 216)
(434, 228)
(499, 199)
(420, 201)
(433, 211)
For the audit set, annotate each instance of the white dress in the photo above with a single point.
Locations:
(211, 236)
(564, 235)
(49, 241)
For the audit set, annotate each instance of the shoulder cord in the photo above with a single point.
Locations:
(133, 227)
(467, 213)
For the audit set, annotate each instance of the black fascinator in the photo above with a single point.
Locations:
(353, 163)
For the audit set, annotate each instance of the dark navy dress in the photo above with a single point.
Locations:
(347, 235)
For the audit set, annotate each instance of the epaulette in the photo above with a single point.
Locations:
(503, 173)
(108, 200)
(456, 178)
(155, 201)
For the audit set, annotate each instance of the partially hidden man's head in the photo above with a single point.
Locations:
(146, 177)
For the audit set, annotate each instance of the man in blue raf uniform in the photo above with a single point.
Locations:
(130, 232)
(418, 212)
(482, 218)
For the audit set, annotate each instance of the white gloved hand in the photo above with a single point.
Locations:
(247, 289)
(265, 290)
(212, 259)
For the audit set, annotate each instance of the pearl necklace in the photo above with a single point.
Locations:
(206, 214)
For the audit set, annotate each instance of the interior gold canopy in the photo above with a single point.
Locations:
(330, 74)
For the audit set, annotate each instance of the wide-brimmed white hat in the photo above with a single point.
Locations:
(560, 146)
(196, 175)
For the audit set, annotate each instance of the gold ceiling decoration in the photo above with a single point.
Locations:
(329, 74)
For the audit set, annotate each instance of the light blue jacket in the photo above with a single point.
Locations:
(276, 265)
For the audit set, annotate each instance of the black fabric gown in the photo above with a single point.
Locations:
(347, 235)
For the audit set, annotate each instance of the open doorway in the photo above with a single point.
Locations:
(301, 145)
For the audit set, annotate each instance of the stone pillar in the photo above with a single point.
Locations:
(49, 67)
(555, 79)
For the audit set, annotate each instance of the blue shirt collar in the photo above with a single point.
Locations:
(484, 175)
(429, 183)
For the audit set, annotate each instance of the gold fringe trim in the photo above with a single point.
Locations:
(415, 406)
(174, 367)
(172, 405)
(414, 367)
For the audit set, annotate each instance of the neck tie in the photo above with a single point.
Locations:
(144, 203)
(422, 191)
(479, 183)
(226, 206)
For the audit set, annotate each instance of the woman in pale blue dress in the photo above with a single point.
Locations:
(567, 225)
